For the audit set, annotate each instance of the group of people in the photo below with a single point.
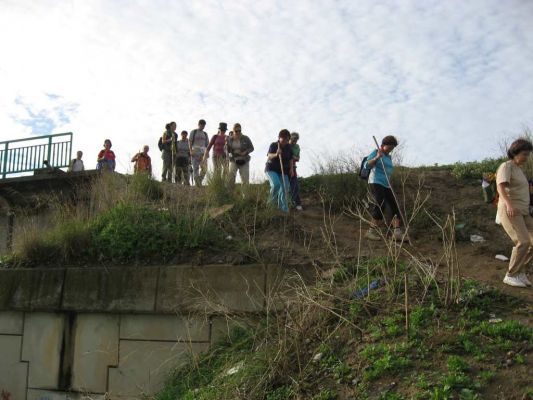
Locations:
(515, 207)
(187, 158)
(231, 153)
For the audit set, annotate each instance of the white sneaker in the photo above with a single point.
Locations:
(523, 278)
(299, 208)
(513, 281)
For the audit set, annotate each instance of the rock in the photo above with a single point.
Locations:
(317, 357)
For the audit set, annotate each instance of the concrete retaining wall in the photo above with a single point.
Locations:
(116, 333)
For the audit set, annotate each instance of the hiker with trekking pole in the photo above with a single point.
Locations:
(278, 167)
(377, 167)
(514, 211)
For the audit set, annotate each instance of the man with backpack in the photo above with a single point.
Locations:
(167, 144)
(198, 142)
(143, 162)
(76, 165)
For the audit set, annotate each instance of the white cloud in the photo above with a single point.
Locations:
(448, 78)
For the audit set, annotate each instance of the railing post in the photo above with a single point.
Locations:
(49, 151)
(4, 163)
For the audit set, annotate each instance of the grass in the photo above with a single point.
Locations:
(325, 345)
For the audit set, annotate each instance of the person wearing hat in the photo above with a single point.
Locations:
(218, 144)
(239, 147)
(198, 141)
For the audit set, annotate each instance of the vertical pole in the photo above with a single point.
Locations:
(4, 164)
(50, 150)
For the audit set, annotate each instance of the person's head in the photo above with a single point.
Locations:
(146, 148)
(284, 136)
(237, 130)
(107, 144)
(172, 126)
(295, 136)
(222, 128)
(389, 143)
(201, 124)
(79, 154)
(520, 150)
(183, 135)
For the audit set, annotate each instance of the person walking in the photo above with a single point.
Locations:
(293, 179)
(380, 163)
(239, 147)
(183, 160)
(514, 211)
(166, 152)
(198, 141)
(143, 162)
(278, 167)
(106, 158)
(218, 144)
(76, 165)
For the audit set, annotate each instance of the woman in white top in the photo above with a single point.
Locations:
(513, 210)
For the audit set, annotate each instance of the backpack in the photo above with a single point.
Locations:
(364, 171)
(160, 143)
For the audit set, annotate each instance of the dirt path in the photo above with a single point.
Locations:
(476, 260)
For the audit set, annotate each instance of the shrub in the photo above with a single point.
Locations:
(475, 169)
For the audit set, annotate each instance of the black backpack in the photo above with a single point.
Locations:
(364, 171)
(160, 143)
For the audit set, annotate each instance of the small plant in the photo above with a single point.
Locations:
(325, 394)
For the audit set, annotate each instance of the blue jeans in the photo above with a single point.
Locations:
(277, 191)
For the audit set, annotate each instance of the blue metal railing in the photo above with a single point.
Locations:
(16, 158)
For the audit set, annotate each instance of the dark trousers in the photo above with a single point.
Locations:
(295, 191)
(383, 198)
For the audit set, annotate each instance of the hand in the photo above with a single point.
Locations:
(380, 154)
(278, 153)
(511, 212)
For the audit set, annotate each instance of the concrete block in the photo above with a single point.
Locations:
(31, 289)
(110, 290)
(237, 288)
(43, 336)
(144, 366)
(36, 394)
(11, 322)
(96, 348)
(13, 372)
(164, 327)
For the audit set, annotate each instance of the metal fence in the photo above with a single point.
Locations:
(16, 156)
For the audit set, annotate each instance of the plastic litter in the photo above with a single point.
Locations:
(495, 320)
(317, 357)
(501, 257)
(364, 291)
(477, 239)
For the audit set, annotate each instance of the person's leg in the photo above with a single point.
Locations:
(516, 229)
(244, 172)
(232, 174)
(377, 211)
(196, 170)
(186, 178)
(283, 193)
(295, 192)
(275, 186)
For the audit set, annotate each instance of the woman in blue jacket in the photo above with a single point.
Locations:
(381, 166)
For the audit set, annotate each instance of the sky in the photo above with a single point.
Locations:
(450, 79)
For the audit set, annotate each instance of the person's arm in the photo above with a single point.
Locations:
(101, 155)
(250, 147)
(71, 165)
(135, 157)
(209, 146)
(371, 162)
(273, 152)
(501, 187)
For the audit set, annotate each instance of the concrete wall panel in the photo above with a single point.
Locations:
(42, 340)
(144, 366)
(211, 289)
(11, 322)
(96, 348)
(13, 372)
(164, 327)
(110, 290)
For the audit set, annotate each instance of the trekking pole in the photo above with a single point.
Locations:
(283, 179)
(173, 152)
(390, 185)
